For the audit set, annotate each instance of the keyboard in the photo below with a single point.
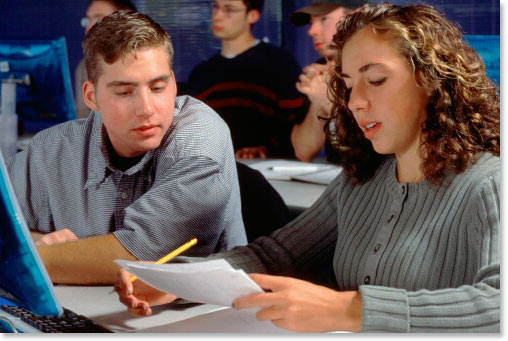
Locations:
(69, 322)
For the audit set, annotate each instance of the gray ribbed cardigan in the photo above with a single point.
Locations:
(425, 258)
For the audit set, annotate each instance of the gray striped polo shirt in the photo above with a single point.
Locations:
(186, 188)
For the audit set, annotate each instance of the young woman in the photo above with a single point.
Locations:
(409, 233)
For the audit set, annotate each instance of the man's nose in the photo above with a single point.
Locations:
(145, 106)
(313, 29)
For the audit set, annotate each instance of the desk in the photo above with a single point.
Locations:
(297, 194)
(95, 302)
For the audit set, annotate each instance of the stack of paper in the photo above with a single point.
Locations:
(213, 282)
(318, 173)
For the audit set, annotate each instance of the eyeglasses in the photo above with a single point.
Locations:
(85, 21)
(227, 10)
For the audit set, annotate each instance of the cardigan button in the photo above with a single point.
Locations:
(378, 246)
(366, 280)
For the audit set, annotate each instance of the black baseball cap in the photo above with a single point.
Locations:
(321, 7)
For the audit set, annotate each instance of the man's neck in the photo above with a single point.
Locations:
(238, 45)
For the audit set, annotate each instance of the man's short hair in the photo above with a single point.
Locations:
(119, 34)
(120, 4)
(302, 16)
(254, 4)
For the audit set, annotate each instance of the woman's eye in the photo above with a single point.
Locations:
(378, 81)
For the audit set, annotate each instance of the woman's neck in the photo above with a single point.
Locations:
(409, 167)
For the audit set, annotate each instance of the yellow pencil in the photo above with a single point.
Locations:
(170, 256)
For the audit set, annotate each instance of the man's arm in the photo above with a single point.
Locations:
(85, 261)
(308, 137)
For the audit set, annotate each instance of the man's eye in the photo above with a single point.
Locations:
(158, 88)
(123, 93)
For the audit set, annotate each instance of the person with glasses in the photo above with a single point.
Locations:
(250, 83)
(97, 9)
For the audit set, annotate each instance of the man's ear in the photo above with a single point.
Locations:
(89, 95)
(253, 16)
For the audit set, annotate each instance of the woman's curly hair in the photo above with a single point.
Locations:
(463, 109)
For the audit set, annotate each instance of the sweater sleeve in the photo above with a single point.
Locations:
(304, 248)
(473, 307)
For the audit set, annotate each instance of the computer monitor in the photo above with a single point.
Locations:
(48, 100)
(488, 47)
(23, 277)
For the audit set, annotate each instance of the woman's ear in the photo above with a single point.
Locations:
(89, 96)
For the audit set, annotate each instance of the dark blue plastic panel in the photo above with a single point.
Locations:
(488, 47)
(49, 99)
(22, 273)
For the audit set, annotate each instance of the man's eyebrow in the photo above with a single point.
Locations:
(362, 69)
(163, 78)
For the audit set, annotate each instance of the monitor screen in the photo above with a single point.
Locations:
(48, 99)
(488, 47)
(23, 277)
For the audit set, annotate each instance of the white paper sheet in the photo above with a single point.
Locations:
(319, 173)
(213, 282)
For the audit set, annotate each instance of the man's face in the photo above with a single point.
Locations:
(230, 19)
(322, 28)
(136, 99)
(96, 11)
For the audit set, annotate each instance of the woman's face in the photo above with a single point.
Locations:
(385, 100)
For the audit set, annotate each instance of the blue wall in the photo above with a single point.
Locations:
(23, 19)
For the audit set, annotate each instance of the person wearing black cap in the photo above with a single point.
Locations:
(308, 137)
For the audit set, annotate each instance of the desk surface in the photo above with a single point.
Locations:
(95, 302)
(298, 194)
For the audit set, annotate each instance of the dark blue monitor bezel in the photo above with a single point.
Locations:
(22, 273)
(49, 99)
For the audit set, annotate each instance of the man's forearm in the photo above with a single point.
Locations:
(36, 235)
(85, 261)
(308, 137)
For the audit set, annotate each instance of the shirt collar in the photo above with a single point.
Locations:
(98, 158)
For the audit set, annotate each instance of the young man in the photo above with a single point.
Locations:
(97, 10)
(145, 173)
(250, 83)
(308, 137)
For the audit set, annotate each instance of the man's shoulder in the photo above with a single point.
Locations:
(193, 113)
(74, 130)
(271, 50)
(206, 64)
(196, 130)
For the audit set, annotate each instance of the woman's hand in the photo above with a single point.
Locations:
(302, 306)
(138, 296)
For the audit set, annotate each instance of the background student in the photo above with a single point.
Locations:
(250, 83)
(308, 137)
(97, 10)
(146, 172)
(407, 238)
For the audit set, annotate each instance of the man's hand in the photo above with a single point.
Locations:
(138, 296)
(302, 306)
(251, 153)
(56, 237)
(312, 82)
